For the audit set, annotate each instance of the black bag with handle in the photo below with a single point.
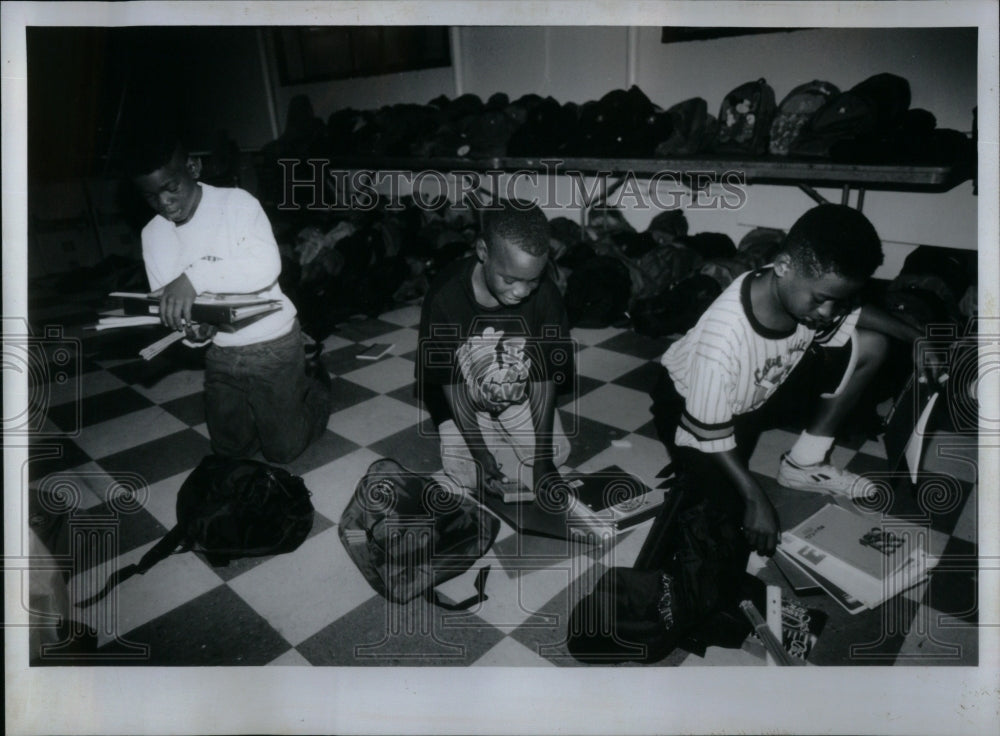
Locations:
(228, 508)
(408, 533)
(641, 614)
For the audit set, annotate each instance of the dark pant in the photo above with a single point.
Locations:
(258, 397)
(699, 477)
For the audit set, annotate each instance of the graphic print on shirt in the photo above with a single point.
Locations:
(775, 369)
(495, 369)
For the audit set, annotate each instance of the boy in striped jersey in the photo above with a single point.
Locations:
(745, 346)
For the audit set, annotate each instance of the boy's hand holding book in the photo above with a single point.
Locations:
(176, 299)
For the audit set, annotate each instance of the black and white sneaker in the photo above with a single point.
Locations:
(823, 477)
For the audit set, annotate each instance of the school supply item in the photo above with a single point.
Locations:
(693, 129)
(375, 351)
(772, 643)
(213, 309)
(906, 425)
(865, 559)
(229, 508)
(511, 491)
(583, 507)
(794, 113)
(408, 533)
(745, 119)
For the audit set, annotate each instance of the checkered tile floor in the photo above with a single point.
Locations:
(114, 421)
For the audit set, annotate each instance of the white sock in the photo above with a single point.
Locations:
(809, 449)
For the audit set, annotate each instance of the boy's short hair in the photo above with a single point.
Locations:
(152, 145)
(522, 224)
(834, 238)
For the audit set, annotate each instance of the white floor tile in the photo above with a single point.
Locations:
(332, 485)
(301, 593)
(335, 342)
(80, 488)
(161, 501)
(173, 386)
(374, 419)
(771, 445)
(121, 433)
(644, 459)
(384, 375)
(291, 658)
(138, 600)
(403, 341)
(618, 406)
(408, 316)
(605, 365)
(88, 384)
(509, 652)
(587, 336)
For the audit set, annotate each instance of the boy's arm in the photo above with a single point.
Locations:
(542, 399)
(760, 520)
(460, 406)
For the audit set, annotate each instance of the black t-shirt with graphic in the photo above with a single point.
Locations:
(497, 352)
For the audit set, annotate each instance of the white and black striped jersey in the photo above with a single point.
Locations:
(730, 364)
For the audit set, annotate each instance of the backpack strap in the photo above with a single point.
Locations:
(434, 597)
(160, 551)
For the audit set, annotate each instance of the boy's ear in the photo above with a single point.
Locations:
(782, 265)
(193, 166)
(481, 249)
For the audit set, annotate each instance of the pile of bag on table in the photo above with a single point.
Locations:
(872, 122)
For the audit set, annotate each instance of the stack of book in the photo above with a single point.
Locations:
(228, 312)
(861, 561)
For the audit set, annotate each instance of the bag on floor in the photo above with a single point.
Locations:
(408, 533)
(229, 508)
(641, 615)
(745, 119)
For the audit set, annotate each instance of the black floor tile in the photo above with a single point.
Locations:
(388, 634)
(364, 329)
(953, 584)
(189, 409)
(160, 458)
(587, 437)
(215, 629)
(235, 568)
(417, 448)
(639, 346)
(408, 395)
(50, 455)
(133, 527)
(643, 378)
(343, 360)
(583, 386)
(327, 448)
(346, 394)
(98, 408)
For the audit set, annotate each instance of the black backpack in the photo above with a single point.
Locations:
(229, 508)
(641, 614)
(745, 119)
(795, 112)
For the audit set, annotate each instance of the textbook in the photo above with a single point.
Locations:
(870, 558)
(375, 351)
(212, 309)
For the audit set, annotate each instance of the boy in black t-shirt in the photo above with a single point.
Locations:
(493, 348)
